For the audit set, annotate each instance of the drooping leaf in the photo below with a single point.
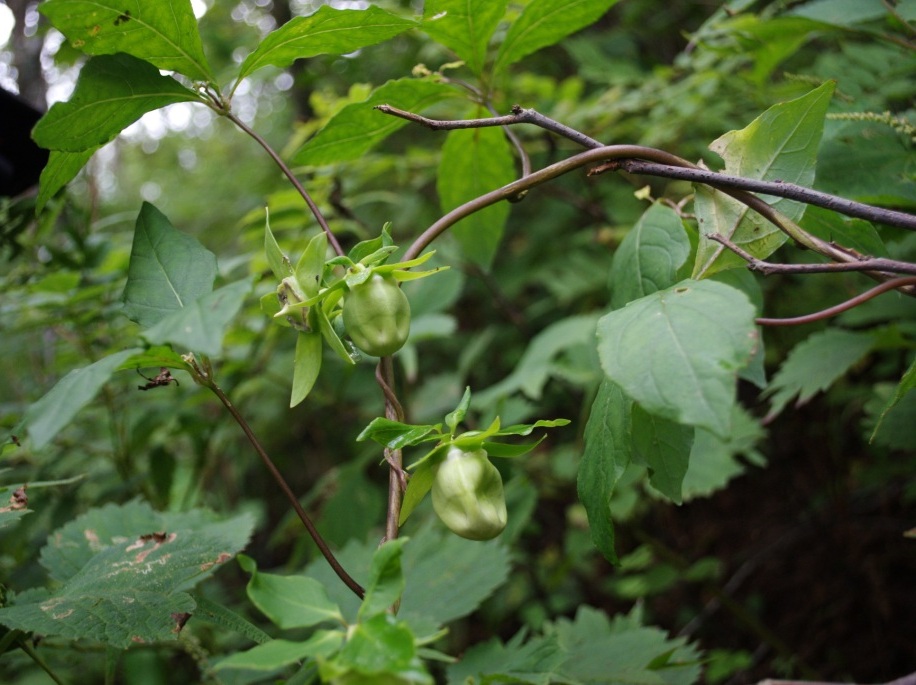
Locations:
(279, 263)
(112, 92)
(357, 128)
(124, 572)
(464, 26)
(420, 483)
(907, 383)
(779, 145)
(664, 447)
(62, 167)
(386, 580)
(162, 32)
(607, 455)
(289, 601)
(275, 654)
(815, 364)
(545, 22)
(45, 418)
(649, 256)
(306, 365)
(168, 269)
(328, 31)
(677, 352)
(473, 162)
(201, 325)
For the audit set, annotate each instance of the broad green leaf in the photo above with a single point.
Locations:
(162, 32)
(168, 269)
(394, 434)
(860, 235)
(779, 145)
(386, 580)
(677, 352)
(112, 92)
(46, 417)
(62, 167)
(840, 12)
(815, 364)
(379, 645)
(123, 572)
(536, 661)
(543, 358)
(311, 265)
(664, 447)
(649, 256)
(278, 653)
(474, 162)
(201, 325)
(545, 22)
(306, 365)
(289, 601)
(713, 460)
(907, 383)
(464, 26)
(449, 577)
(357, 128)
(221, 616)
(607, 455)
(154, 357)
(327, 31)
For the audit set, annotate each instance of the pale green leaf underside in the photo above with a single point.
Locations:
(328, 31)
(61, 168)
(677, 352)
(124, 571)
(46, 417)
(168, 269)
(545, 22)
(112, 92)
(664, 447)
(357, 128)
(162, 32)
(464, 26)
(779, 145)
(475, 162)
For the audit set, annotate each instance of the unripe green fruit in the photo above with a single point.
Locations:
(468, 495)
(376, 314)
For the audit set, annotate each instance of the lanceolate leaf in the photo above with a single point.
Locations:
(607, 455)
(779, 145)
(61, 168)
(162, 32)
(306, 365)
(124, 572)
(474, 162)
(545, 22)
(168, 269)
(464, 26)
(677, 352)
(357, 128)
(47, 416)
(649, 256)
(328, 31)
(112, 92)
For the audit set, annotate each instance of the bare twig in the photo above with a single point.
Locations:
(397, 477)
(205, 378)
(319, 217)
(769, 268)
(843, 306)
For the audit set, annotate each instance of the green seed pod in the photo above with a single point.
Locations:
(468, 495)
(376, 314)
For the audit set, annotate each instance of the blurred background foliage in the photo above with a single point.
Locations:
(788, 558)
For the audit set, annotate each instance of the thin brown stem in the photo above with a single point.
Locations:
(843, 306)
(319, 217)
(205, 378)
(397, 478)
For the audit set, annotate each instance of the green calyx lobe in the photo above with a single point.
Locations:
(376, 315)
(468, 495)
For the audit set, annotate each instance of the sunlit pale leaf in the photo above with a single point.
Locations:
(162, 32)
(168, 269)
(357, 128)
(464, 26)
(677, 352)
(328, 31)
(112, 92)
(46, 417)
(607, 454)
(779, 145)
(545, 22)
